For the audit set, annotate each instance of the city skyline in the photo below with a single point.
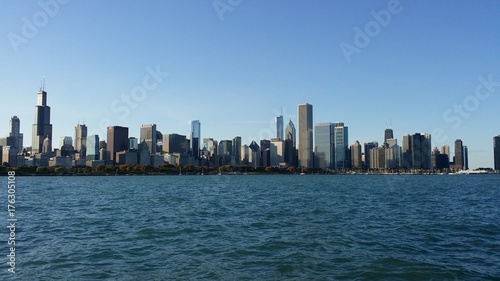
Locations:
(443, 81)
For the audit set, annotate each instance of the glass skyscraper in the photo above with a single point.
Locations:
(279, 127)
(341, 143)
(195, 138)
(324, 145)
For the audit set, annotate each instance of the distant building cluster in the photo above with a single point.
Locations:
(324, 145)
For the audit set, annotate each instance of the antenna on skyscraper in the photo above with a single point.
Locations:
(42, 86)
(390, 123)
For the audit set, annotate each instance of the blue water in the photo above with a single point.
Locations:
(256, 228)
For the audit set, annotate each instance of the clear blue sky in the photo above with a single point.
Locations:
(236, 71)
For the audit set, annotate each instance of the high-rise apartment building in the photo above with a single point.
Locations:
(459, 155)
(42, 129)
(417, 152)
(305, 116)
(356, 156)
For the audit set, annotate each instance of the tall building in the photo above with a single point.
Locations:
(225, 148)
(368, 147)
(81, 140)
(133, 143)
(175, 143)
(324, 146)
(466, 158)
(255, 154)
(42, 129)
(279, 127)
(148, 135)
(236, 149)
(417, 152)
(92, 147)
(356, 156)
(496, 152)
(341, 143)
(305, 116)
(66, 143)
(392, 154)
(445, 149)
(15, 133)
(388, 134)
(277, 152)
(290, 133)
(195, 138)
(459, 155)
(117, 141)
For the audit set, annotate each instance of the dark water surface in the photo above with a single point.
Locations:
(256, 228)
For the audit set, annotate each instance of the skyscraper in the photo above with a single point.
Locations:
(369, 146)
(195, 138)
(388, 134)
(356, 160)
(236, 149)
(81, 140)
(117, 141)
(290, 133)
(466, 158)
(175, 143)
(445, 149)
(496, 152)
(148, 135)
(459, 155)
(42, 129)
(341, 142)
(417, 152)
(279, 127)
(92, 147)
(15, 133)
(305, 116)
(324, 146)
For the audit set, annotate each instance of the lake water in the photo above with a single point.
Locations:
(247, 227)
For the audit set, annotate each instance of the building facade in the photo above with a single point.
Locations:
(148, 135)
(305, 153)
(324, 146)
(117, 140)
